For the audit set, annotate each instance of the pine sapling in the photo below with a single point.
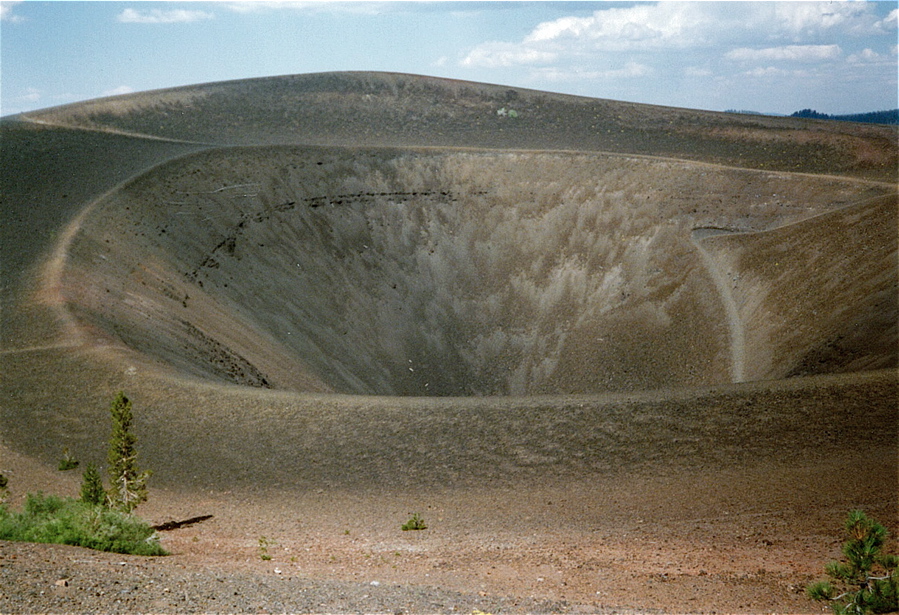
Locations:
(868, 581)
(92, 491)
(128, 485)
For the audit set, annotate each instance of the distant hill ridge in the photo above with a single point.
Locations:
(887, 116)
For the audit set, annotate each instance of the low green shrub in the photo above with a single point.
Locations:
(51, 519)
(415, 523)
(67, 462)
(264, 544)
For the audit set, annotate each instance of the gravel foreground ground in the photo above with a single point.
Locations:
(745, 534)
(61, 579)
(632, 545)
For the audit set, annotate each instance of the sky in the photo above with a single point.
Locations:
(772, 57)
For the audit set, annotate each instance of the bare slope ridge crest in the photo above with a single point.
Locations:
(392, 109)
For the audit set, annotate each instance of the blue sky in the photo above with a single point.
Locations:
(836, 57)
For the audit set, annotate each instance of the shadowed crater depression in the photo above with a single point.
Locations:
(454, 273)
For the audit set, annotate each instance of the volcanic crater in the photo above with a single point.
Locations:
(623, 358)
(459, 273)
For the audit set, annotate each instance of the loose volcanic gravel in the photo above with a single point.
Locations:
(62, 579)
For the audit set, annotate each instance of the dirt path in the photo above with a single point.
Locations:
(109, 130)
(40, 348)
(725, 291)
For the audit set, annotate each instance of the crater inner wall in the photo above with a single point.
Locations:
(423, 272)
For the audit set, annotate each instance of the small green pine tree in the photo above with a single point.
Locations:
(868, 581)
(92, 491)
(128, 486)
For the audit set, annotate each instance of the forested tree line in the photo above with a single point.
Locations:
(890, 116)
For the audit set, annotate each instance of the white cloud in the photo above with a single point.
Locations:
(32, 95)
(667, 24)
(890, 22)
(798, 17)
(645, 26)
(675, 26)
(866, 55)
(696, 71)
(251, 6)
(6, 13)
(354, 7)
(810, 19)
(792, 53)
(869, 59)
(493, 55)
(768, 71)
(122, 89)
(156, 16)
(629, 71)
